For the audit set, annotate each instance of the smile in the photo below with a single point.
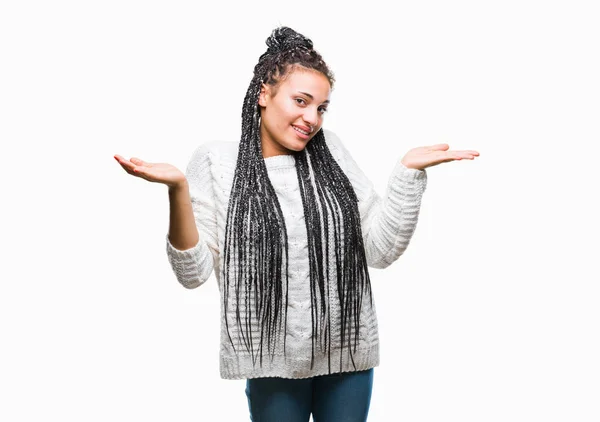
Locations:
(301, 133)
(300, 130)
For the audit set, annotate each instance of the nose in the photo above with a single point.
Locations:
(311, 117)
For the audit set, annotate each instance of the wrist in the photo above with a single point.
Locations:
(181, 186)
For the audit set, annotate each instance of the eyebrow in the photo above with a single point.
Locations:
(311, 97)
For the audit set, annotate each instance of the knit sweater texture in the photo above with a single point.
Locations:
(387, 224)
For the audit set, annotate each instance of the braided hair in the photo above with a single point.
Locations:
(256, 237)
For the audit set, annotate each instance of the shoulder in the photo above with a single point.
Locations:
(208, 159)
(331, 138)
(215, 148)
(335, 145)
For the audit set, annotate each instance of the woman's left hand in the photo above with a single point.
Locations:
(423, 157)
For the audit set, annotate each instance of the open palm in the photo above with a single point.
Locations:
(428, 156)
(153, 172)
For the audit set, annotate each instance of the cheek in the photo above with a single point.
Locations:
(290, 110)
(286, 116)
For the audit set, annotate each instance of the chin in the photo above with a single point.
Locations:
(297, 146)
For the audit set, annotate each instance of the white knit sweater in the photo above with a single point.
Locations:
(387, 226)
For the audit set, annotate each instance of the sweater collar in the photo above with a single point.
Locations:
(280, 161)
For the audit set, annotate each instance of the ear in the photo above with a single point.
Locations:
(264, 93)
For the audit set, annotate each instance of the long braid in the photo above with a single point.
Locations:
(256, 234)
(336, 192)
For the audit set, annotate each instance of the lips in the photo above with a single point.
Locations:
(304, 128)
(300, 134)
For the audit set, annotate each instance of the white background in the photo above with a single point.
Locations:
(492, 313)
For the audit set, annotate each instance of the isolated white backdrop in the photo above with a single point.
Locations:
(491, 314)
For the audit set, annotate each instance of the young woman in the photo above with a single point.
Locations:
(290, 225)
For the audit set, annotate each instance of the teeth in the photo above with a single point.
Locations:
(300, 130)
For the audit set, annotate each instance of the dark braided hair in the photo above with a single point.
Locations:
(256, 233)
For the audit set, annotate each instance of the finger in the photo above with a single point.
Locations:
(466, 155)
(142, 172)
(129, 168)
(126, 164)
(442, 157)
(122, 160)
(447, 156)
(138, 161)
(467, 151)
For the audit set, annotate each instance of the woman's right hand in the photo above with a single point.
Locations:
(153, 172)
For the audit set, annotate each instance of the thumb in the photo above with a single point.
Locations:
(138, 162)
(440, 147)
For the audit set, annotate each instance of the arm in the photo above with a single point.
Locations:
(192, 247)
(183, 233)
(387, 223)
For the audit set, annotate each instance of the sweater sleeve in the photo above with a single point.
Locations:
(192, 267)
(387, 223)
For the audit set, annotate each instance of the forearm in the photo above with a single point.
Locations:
(183, 233)
(394, 218)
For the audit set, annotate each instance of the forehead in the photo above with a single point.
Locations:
(308, 81)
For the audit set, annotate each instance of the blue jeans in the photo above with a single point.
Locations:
(341, 397)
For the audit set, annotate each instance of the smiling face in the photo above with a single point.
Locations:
(292, 112)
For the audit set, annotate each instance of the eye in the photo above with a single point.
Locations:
(302, 102)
